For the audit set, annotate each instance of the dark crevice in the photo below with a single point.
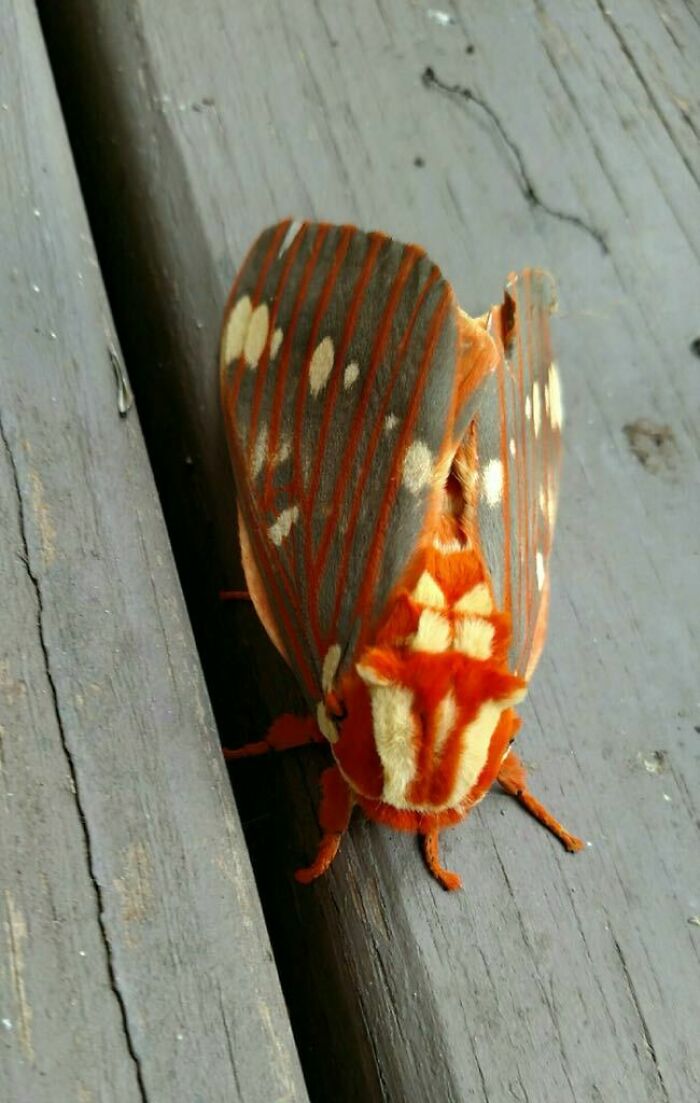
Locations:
(640, 1014)
(527, 187)
(36, 586)
(629, 56)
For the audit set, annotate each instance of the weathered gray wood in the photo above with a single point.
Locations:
(556, 134)
(134, 964)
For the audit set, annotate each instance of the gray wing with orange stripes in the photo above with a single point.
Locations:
(338, 374)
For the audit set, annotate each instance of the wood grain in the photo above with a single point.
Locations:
(134, 963)
(499, 135)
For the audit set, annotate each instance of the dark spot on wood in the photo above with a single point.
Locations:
(654, 445)
(695, 346)
(419, 162)
(469, 49)
(697, 728)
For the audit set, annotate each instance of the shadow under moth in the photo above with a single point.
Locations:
(397, 469)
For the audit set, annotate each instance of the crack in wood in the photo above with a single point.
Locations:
(638, 1008)
(36, 586)
(527, 187)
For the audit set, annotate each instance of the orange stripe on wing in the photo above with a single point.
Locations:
(371, 449)
(261, 375)
(287, 348)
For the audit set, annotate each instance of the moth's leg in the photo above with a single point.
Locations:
(334, 818)
(447, 879)
(234, 595)
(513, 778)
(285, 733)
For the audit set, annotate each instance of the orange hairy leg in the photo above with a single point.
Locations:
(447, 879)
(285, 733)
(513, 778)
(334, 818)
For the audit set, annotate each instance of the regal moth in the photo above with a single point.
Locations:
(397, 472)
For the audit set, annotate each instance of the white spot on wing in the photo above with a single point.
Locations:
(528, 407)
(536, 408)
(539, 569)
(389, 422)
(434, 633)
(275, 342)
(281, 528)
(294, 228)
(511, 445)
(556, 410)
(325, 724)
(282, 452)
(321, 365)
(417, 466)
(351, 373)
(256, 337)
(330, 667)
(259, 452)
(477, 600)
(474, 637)
(492, 482)
(236, 330)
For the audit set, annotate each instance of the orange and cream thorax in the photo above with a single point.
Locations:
(429, 706)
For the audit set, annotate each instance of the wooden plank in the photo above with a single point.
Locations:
(561, 135)
(134, 963)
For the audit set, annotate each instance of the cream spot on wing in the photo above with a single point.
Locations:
(474, 637)
(445, 716)
(539, 569)
(536, 408)
(427, 592)
(492, 482)
(393, 727)
(370, 676)
(321, 365)
(434, 633)
(546, 399)
(256, 337)
(542, 501)
(275, 342)
(325, 724)
(259, 452)
(282, 452)
(528, 407)
(556, 414)
(417, 466)
(477, 600)
(351, 374)
(281, 528)
(294, 228)
(330, 667)
(389, 422)
(511, 445)
(236, 330)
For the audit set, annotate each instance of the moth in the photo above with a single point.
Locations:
(397, 471)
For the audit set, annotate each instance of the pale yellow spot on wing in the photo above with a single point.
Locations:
(330, 667)
(351, 374)
(236, 330)
(536, 408)
(321, 365)
(427, 592)
(447, 547)
(280, 529)
(325, 724)
(434, 633)
(259, 452)
(528, 407)
(477, 601)
(417, 466)
(511, 446)
(539, 569)
(389, 422)
(492, 482)
(476, 739)
(275, 342)
(474, 637)
(556, 413)
(256, 337)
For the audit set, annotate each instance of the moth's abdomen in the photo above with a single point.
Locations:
(439, 694)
